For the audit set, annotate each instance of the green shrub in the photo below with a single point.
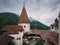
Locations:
(39, 42)
(24, 43)
(1, 32)
(11, 43)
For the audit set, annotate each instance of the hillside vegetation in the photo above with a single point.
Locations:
(7, 18)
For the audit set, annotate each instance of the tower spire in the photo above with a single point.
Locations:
(24, 3)
(24, 17)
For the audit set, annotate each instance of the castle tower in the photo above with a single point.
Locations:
(24, 21)
(59, 28)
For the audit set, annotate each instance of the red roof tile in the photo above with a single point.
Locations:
(12, 27)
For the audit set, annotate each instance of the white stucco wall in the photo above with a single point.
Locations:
(57, 31)
(19, 41)
(27, 26)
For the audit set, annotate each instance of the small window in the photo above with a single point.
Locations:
(20, 30)
(52, 27)
(24, 26)
(17, 38)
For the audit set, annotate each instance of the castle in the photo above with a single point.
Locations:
(23, 27)
(17, 31)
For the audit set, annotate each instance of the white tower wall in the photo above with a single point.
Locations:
(59, 31)
(26, 26)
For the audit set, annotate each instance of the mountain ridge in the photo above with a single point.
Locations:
(7, 18)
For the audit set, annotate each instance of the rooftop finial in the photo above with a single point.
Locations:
(24, 3)
(59, 14)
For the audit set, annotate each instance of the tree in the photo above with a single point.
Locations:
(11, 43)
(1, 32)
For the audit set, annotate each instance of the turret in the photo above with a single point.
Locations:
(59, 28)
(59, 21)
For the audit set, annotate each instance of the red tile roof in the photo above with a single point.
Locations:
(24, 17)
(12, 27)
(47, 34)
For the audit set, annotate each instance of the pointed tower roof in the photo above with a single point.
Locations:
(23, 18)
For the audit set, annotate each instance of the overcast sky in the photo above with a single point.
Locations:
(44, 11)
